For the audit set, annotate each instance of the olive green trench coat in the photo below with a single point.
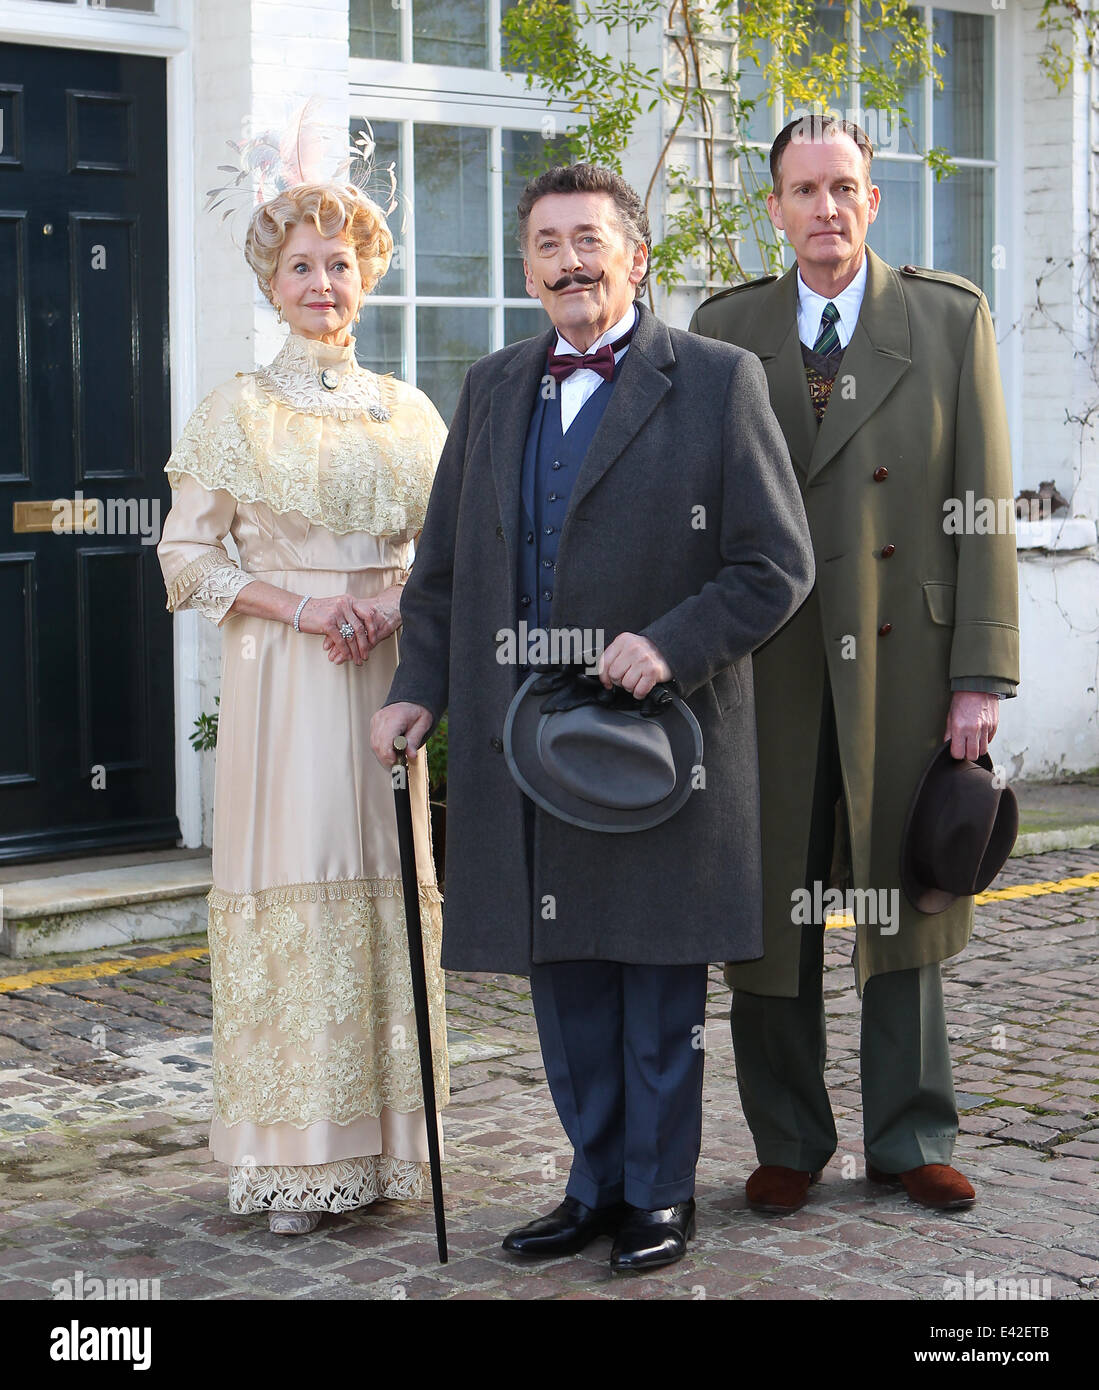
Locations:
(901, 606)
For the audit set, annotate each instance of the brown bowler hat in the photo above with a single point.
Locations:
(958, 833)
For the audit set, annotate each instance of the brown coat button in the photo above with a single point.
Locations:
(880, 474)
(885, 629)
(887, 550)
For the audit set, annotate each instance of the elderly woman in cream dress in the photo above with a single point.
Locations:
(320, 470)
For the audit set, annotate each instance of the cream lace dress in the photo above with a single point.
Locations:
(317, 1097)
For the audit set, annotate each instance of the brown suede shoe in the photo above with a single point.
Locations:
(932, 1185)
(777, 1190)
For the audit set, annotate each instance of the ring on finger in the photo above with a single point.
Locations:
(347, 631)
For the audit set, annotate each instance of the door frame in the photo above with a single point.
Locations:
(151, 37)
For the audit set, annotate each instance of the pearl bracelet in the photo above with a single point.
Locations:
(297, 615)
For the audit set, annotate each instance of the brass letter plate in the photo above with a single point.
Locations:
(61, 515)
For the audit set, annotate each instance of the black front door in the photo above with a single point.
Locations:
(86, 692)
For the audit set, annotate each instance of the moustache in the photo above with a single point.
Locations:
(567, 280)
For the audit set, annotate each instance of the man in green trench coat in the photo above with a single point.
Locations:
(887, 388)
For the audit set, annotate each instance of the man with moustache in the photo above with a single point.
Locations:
(887, 388)
(613, 475)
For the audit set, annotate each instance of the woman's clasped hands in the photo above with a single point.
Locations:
(371, 621)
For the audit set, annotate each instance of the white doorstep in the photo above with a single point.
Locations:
(103, 907)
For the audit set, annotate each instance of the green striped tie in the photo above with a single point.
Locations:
(828, 340)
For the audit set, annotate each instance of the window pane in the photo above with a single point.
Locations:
(964, 226)
(758, 230)
(962, 110)
(375, 29)
(752, 58)
(450, 31)
(387, 151)
(452, 224)
(448, 342)
(827, 29)
(140, 6)
(897, 232)
(883, 124)
(525, 155)
(524, 323)
(507, 62)
(379, 339)
(759, 122)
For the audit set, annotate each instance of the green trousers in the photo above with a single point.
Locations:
(910, 1116)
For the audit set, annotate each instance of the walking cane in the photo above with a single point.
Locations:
(410, 882)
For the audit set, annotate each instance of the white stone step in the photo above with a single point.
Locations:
(55, 908)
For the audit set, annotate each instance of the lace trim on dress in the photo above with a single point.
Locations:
(294, 379)
(217, 592)
(313, 1013)
(179, 589)
(346, 476)
(349, 889)
(339, 1186)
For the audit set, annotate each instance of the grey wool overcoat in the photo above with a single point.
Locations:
(686, 526)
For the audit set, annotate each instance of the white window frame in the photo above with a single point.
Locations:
(86, 24)
(441, 75)
(409, 94)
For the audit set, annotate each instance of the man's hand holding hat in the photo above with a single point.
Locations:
(633, 663)
(972, 723)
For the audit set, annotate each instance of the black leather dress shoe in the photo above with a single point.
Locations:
(567, 1229)
(649, 1239)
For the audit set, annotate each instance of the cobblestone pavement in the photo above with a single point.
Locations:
(104, 1106)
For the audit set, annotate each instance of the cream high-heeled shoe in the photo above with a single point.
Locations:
(293, 1223)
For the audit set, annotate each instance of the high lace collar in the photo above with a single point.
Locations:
(296, 378)
(298, 348)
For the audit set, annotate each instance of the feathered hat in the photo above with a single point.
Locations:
(270, 162)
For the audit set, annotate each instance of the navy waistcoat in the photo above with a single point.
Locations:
(551, 465)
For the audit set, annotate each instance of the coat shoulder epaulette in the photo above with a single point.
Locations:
(922, 272)
(738, 289)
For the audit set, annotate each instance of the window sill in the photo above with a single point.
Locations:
(1056, 534)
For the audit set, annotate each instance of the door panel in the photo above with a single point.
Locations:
(86, 689)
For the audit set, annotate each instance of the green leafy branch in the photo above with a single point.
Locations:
(726, 57)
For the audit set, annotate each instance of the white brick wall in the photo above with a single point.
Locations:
(1053, 186)
(1053, 726)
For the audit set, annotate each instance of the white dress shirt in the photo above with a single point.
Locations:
(848, 302)
(575, 390)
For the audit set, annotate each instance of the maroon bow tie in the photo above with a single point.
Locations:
(562, 365)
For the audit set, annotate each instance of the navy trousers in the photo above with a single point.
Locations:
(623, 1048)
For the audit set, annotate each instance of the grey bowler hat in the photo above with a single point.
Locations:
(602, 764)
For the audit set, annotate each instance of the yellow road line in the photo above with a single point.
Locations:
(999, 895)
(90, 971)
(1038, 890)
